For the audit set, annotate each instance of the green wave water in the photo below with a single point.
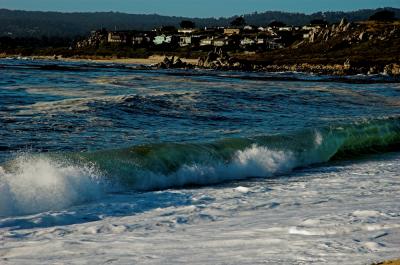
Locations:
(158, 166)
(38, 182)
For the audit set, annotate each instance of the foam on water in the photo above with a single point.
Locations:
(256, 161)
(37, 184)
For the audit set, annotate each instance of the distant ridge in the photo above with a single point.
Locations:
(16, 23)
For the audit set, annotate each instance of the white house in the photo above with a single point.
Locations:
(185, 41)
(262, 40)
(206, 42)
(247, 41)
(140, 39)
(160, 39)
(219, 42)
(285, 28)
(187, 31)
(310, 27)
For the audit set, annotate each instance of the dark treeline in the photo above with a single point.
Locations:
(43, 45)
(37, 24)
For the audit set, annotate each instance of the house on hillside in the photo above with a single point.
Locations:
(161, 39)
(286, 28)
(220, 42)
(262, 28)
(232, 31)
(185, 41)
(189, 40)
(187, 31)
(311, 27)
(269, 42)
(140, 38)
(117, 37)
(208, 41)
(247, 41)
(262, 40)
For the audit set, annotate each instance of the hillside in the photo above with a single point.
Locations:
(364, 47)
(37, 24)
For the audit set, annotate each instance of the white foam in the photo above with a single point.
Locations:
(366, 213)
(41, 184)
(313, 222)
(255, 161)
(242, 189)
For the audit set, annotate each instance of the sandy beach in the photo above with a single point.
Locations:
(154, 59)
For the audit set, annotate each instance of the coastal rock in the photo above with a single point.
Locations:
(347, 27)
(342, 23)
(373, 70)
(392, 69)
(312, 37)
(362, 36)
(168, 63)
(218, 59)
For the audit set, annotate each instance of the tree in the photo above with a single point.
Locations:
(168, 29)
(384, 15)
(238, 22)
(187, 24)
(321, 22)
(276, 24)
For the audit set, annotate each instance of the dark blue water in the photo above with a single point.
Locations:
(72, 133)
(80, 107)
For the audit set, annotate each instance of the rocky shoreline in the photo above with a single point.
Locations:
(219, 60)
(222, 61)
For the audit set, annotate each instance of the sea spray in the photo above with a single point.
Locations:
(37, 183)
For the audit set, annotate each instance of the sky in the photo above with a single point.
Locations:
(196, 8)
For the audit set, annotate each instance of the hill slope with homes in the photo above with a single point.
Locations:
(346, 47)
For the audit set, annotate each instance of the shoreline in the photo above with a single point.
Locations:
(227, 64)
(151, 60)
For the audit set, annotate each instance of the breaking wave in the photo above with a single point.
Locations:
(35, 183)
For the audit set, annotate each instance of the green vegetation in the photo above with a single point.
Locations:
(238, 22)
(384, 15)
(187, 24)
(35, 24)
(371, 46)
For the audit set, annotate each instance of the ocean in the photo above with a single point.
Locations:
(103, 163)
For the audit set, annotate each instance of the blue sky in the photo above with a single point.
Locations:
(196, 8)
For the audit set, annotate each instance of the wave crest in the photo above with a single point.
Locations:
(38, 184)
